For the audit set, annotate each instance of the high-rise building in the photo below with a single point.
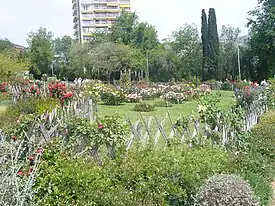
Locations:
(95, 15)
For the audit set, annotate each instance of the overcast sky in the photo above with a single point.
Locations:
(19, 17)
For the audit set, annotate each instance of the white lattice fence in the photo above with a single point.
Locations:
(158, 131)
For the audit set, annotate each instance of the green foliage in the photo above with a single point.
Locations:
(270, 92)
(163, 64)
(262, 136)
(229, 37)
(214, 46)
(72, 181)
(144, 107)
(5, 44)
(8, 117)
(229, 190)
(143, 177)
(109, 58)
(11, 64)
(37, 105)
(112, 96)
(85, 136)
(41, 52)
(163, 103)
(205, 46)
(186, 45)
(79, 62)
(261, 47)
(257, 170)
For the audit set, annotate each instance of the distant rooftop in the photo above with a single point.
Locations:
(16, 46)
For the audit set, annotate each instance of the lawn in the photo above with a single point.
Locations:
(175, 111)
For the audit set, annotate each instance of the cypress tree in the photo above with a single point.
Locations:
(214, 45)
(205, 45)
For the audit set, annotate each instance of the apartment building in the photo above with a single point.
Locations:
(95, 15)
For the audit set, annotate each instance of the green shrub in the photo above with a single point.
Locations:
(225, 190)
(111, 95)
(46, 104)
(8, 118)
(263, 136)
(162, 103)
(37, 105)
(143, 177)
(28, 105)
(144, 107)
(257, 170)
(226, 86)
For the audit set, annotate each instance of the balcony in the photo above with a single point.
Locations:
(113, 10)
(75, 25)
(75, 19)
(76, 33)
(125, 6)
(103, 25)
(74, 5)
(88, 18)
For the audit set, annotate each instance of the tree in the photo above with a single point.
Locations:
(99, 38)
(110, 60)
(163, 65)
(229, 37)
(5, 44)
(62, 47)
(41, 52)
(79, 64)
(11, 64)
(262, 42)
(122, 30)
(205, 46)
(187, 47)
(214, 51)
(145, 37)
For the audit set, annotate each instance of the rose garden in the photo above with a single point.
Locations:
(89, 143)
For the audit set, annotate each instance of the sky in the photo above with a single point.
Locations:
(18, 17)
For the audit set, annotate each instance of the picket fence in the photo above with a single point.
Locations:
(147, 130)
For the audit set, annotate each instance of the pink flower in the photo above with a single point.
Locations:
(40, 150)
(100, 126)
(20, 173)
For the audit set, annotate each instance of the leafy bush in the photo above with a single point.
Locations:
(257, 170)
(227, 86)
(143, 177)
(112, 96)
(263, 136)
(225, 190)
(36, 105)
(144, 107)
(86, 136)
(162, 103)
(46, 104)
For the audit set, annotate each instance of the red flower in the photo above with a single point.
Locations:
(31, 158)
(14, 138)
(20, 173)
(39, 150)
(30, 171)
(100, 126)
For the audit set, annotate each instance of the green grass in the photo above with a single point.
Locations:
(175, 111)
